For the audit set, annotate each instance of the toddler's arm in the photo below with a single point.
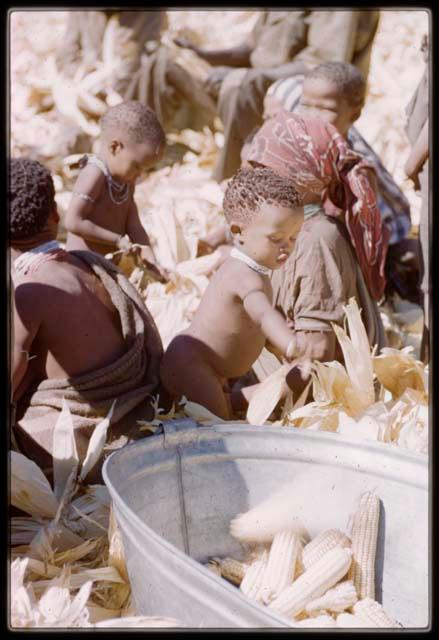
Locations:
(87, 189)
(272, 324)
(137, 234)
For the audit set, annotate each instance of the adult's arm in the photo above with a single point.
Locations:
(238, 56)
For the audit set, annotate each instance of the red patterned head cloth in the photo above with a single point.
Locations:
(317, 158)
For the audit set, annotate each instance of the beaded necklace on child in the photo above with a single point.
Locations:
(119, 193)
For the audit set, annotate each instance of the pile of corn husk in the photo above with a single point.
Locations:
(372, 397)
(67, 561)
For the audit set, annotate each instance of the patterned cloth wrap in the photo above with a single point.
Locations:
(392, 203)
(316, 157)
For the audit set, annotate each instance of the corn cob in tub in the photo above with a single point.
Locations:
(364, 543)
(320, 622)
(348, 620)
(229, 568)
(312, 584)
(253, 582)
(341, 597)
(281, 563)
(323, 543)
(374, 614)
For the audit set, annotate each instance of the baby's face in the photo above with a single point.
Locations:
(270, 238)
(320, 99)
(131, 159)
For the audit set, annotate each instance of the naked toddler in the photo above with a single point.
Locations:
(235, 317)
(102, 214)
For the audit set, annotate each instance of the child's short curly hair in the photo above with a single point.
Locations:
(250, 188)
(137, 119)
(347, 78)
(31, 197)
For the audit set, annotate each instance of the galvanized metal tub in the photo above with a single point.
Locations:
(175, 494)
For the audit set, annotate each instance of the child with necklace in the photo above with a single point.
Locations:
(102, 215)
(236, 318)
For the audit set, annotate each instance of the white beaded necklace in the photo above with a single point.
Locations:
(239, 255)
(121, 191)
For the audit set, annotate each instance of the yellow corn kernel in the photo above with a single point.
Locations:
(336, 600)
(281, 563)
(374, 614)
(323, 543)
(312, 584)
(364, 543)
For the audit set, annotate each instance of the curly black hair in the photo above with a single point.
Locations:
(137, 119)
(31, 197)
(346, 77)
(251, 187)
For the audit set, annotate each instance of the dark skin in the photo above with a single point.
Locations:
(65, 324)
(103, 226)
(226, 59)
(238, 56)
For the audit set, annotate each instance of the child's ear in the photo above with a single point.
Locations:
(236, 231)
(115, 146)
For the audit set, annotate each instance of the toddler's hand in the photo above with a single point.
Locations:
(124, 243)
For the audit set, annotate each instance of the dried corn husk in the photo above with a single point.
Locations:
(267, 395)
(398, 371)
(200, 413)
(96, 444)
(116, 555)
(30, 489)
(65, 455)
(356, 351)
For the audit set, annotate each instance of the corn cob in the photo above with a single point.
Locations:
(321, 544)
(213, 566)
(374, 614)
(230, 569)
(318, 622)
(313, 583)
(252, 583)
(364, 542)
(281, 564)
(299, 564)
(336, 600)
(345, 620)
(256, 551)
